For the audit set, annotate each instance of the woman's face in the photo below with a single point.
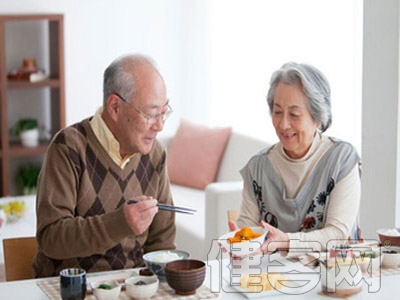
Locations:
(292, 120)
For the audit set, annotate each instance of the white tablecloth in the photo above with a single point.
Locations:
(388, 287)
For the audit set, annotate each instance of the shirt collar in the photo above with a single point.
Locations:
(107, 139)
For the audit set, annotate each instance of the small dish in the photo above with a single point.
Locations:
(391, 257)
(370, 260)
(141, 287)
(106, 290)
(245, 247)
(341, 250)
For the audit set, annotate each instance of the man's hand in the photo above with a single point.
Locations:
(140, 215)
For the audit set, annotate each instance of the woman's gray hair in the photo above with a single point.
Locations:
(118, 77)
(315, 86)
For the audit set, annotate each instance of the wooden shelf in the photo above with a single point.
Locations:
(51, 42)
(18, 84)
(17, 150)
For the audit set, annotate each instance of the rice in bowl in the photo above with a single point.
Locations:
(157, 260)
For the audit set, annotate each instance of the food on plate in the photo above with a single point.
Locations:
(105, 290)
(389, 252)
(369, 254)
(146, 272)
(244, 234)
(105, 286)
(392, 232)
(262, 282)
(164, 257)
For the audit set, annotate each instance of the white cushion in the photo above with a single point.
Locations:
(239, 150)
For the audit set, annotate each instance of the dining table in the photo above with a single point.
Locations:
(221, 282)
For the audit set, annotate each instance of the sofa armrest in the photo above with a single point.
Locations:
(220, 197)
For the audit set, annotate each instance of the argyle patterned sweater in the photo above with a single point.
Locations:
(80, 219)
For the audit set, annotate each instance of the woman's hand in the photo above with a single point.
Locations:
(232, 225)
(277, 239)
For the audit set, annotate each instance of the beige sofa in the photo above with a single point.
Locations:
(195, 233)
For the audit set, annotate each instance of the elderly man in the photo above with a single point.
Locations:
(94, 167)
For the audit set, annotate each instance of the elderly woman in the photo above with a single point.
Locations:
(306, 188)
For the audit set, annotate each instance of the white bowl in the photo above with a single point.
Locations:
(337, 286)
(245, 247)
(371, 260)
(391, 257)
(141, 291)
(106, 294)
(157, 260)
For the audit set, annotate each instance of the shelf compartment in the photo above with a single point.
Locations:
(16, 84)
(17, 150)
(47, 37)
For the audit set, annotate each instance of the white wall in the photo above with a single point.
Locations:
(380, 113)
(97, 31)
(249, 40)
(216, 65)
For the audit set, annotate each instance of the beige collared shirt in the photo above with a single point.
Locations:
(107, 139)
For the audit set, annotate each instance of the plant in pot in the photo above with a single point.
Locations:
(26, 178)
(28, 131)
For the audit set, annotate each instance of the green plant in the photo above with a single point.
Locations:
(25, 124)
(26, 178)
(22, 125)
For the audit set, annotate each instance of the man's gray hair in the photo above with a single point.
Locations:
(118, 76)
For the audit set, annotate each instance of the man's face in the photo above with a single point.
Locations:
(135, 132)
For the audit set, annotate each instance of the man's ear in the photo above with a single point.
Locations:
(113, 105)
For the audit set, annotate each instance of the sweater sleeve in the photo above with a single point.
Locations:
(162, 231)
(341, 215)
(60, 233)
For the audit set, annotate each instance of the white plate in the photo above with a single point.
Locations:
(246, 247)
(118, 276)
(255, 295)
(295, 284)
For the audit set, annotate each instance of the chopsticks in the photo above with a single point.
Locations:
(177, 209)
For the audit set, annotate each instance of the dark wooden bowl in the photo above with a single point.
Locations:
(185, 276)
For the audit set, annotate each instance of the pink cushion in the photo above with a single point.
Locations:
(195, 153)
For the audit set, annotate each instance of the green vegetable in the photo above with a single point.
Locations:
(105, 286)
(370, 254)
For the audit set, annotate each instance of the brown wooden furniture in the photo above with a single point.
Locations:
(54, 46)
(18, 257)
